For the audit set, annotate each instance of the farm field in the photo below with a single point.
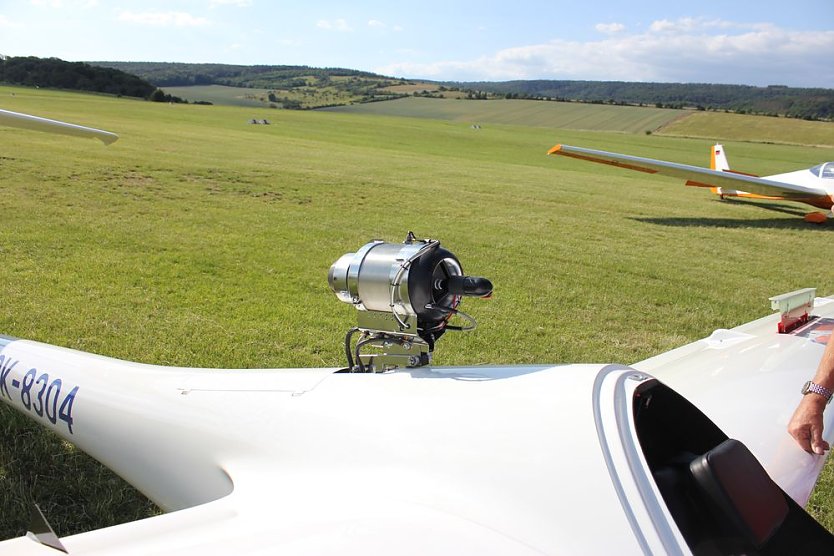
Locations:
(539, 113)
(712, 126)
(314, 94)
(200, 240)
(762, 129)
(221, 94)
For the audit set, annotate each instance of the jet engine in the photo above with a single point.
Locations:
(406, 294)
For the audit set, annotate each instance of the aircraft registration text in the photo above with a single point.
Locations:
(37, 392)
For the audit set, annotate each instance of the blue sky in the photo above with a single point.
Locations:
(754, 42)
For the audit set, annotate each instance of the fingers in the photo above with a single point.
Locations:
(818, 445)
(821, 447)
(806, 426)
(802, 435)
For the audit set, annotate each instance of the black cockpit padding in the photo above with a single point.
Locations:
(741, 490)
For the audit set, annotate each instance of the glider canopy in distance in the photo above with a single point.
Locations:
(813, 186)
(26, 121)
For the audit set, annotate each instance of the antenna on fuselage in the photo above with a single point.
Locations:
(41, 531)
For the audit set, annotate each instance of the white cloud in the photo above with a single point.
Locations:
(7, 23)
(163, 19)
(236, 3)
(687, 25)
(663, 25)
(334, 25)
(73, 4)
(382, 26)
(698, 51)
(609, 28)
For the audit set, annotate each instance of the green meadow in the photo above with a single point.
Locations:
(199, 239)
(712, 126)
(221, 94)
(752, 128)
(539, 113)
(310, 96)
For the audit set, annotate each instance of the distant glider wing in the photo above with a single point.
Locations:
(694, 175)
(25, 121)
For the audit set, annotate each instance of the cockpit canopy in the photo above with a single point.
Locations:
(824, 170)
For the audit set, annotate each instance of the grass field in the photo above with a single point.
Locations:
(311, 96)
(200, 240)
(538, 113)
(220, 94)
(711, 126)
(762, 129)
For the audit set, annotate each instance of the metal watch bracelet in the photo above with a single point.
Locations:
(813, 387)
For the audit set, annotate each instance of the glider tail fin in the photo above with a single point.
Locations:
(718, 161)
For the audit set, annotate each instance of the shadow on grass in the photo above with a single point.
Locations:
(75, 492)
(775, 223)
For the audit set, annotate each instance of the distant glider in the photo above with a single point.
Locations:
(813, 186)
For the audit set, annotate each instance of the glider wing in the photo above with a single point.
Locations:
(697, 176)
(25, 121)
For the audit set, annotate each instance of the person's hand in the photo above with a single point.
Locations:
(806, 424)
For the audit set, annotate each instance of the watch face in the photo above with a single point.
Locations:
(805, 387)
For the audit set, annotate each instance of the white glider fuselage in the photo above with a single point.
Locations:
(315, 461)
(807, 178)
(486, 460)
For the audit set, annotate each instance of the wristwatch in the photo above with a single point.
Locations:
(812, 387)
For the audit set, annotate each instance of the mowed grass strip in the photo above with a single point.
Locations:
(198, 239)
(539, 113)
(223, 95)
(740, 127)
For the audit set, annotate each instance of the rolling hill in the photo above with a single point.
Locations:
(713, 126)
(555, 115)
(300, 85)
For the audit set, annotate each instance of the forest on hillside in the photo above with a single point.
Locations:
(317, 86)
(54, 73)
(173, 74)
(775, 100)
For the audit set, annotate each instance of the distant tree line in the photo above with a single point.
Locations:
(54, 73)
(176, 74)
(304, 87)
(775, 100)
(301, 86)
